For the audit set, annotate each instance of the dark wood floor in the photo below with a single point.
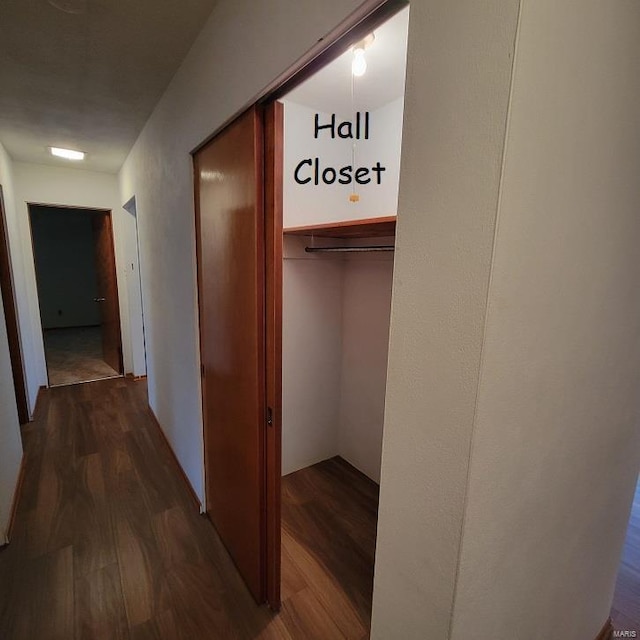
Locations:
(108, 544)
(626, 600)
(329, 515)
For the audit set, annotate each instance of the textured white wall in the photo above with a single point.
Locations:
(556, 445)
(457, 93)
(73, 187)
(311, 356)
(10, 442)
(366, 302)
(224, 70)
(21, 262)
(315, 204)
(334, 360)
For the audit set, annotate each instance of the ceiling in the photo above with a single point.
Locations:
(86, 74)
(329, 90)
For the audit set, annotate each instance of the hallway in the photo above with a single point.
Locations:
(108, 543)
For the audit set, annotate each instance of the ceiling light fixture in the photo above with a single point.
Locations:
(359, 63)
(67, 154)
(70, 6)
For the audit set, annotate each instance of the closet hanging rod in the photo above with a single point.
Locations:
(368, 249)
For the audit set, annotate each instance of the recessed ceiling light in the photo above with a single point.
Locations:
(70, 6)
(67, 154)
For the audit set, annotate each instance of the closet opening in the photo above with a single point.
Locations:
(77, 293)
(341, 166)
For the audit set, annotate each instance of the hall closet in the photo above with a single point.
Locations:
(342, 135)
(335, 321)
(336, 313)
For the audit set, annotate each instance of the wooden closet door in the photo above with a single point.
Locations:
(231, 283)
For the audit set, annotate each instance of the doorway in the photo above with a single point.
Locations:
(341, 159)
(271, 387)
(11, 319)
(77, 293)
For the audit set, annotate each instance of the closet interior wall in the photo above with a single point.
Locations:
(335, 342)
(336, 307)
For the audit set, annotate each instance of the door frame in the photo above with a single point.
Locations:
(98, 210)
(7, 293)
(355, 27)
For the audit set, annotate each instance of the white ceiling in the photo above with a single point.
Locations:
(86, 75)
(329, 90)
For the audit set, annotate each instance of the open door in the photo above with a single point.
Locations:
(107, 287)
(230, 244)
(11, 319)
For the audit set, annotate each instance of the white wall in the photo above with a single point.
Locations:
(311, 356)
(222, 73)
(457, 94)
(305, 204)
(65, 266)
(556, 447)
(334, 359)
(74, 187)
(21, 261)
(366, 302)
(10, 442)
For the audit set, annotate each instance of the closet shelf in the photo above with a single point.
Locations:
(366, 228)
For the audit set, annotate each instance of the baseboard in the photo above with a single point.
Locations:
(130, 376)
(187, 482)
(72, 326)
(41, 389)
(607, 631)
(16, 497)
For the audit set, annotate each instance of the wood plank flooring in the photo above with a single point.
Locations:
(625, 612)
(329, 515)
(108, 544)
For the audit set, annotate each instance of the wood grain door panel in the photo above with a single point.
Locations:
(107, 286)
(231, 283)
(274, 140)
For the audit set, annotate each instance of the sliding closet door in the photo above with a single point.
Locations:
(231, 282)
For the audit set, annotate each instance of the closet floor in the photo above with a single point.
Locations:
(329, 516)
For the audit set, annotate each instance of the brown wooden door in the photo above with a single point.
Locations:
(231, 283)
(107, 288)
(273, 180)
(11, 319)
